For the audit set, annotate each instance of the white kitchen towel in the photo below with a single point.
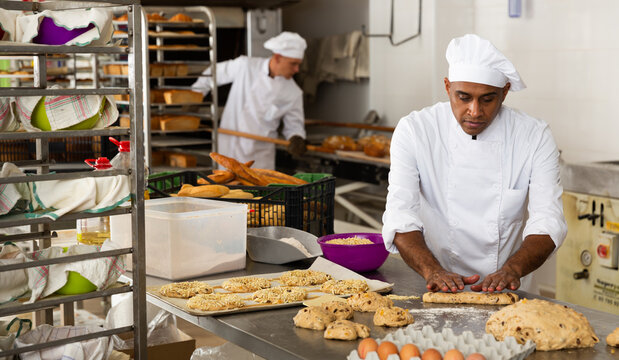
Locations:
(67, 110)
(10, 194)
(13, 283)
(45, 280)
(27, 26)
(7, 24)
(94, 349)
(335, 57)
(94, 195)
(8, 121)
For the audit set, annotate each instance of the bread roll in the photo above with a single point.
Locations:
(238, 194)
(339, 142)
(181, 18)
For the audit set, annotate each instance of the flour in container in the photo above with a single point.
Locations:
(297, 244)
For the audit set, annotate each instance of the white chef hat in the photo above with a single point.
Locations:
(474, 59)
(287, 44)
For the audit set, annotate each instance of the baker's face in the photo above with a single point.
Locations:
(475, 105)
(286, 66)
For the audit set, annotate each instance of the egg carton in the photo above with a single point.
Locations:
(466, 343)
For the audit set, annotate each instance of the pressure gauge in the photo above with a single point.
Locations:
(586, 258)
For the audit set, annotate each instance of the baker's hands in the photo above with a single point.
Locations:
(443, 280)
(505, 278)
(297, 146)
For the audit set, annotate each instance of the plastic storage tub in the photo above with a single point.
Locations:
(189, 237)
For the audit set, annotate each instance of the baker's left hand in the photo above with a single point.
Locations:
(505, 278)
(297, 146)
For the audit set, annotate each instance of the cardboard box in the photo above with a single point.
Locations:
(180, 350)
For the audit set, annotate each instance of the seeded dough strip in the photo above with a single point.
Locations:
(470, 298)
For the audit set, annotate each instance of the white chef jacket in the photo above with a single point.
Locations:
(468, 196)
(255, 105)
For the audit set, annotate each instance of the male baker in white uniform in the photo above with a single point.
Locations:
(263, 94)
(460, 175)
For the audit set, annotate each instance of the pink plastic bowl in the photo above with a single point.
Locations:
(50, 34)
(359, 258)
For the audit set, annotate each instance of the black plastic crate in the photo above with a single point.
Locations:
(307, 207)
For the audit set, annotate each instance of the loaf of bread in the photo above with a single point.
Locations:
(203, 190)
(182, 160)
(238, 194)
(276, 177)
(340, 142)
(182, 69)
(155, 17)
(156, 96)
(182, 97)
(220, 176)
(242, 171)
(123, 17)
(179, 122)
(158, 158)
(155, 69)
(181, 18)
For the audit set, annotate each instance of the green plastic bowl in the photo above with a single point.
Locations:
(76, 284)
(39, 118)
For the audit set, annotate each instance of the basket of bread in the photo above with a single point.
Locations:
(304, 201)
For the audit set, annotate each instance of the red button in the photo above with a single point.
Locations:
(603, 251)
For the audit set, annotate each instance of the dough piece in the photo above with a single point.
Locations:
(313, 317)
(245, 284)
(279, 295)
(613, 338)
(341, 310)
(369, 301)
(393, 317)
(214, 302)
(346, 330)
(470, 298)
(339, 287)
(551, 326)
(185, 289)
(304, 277)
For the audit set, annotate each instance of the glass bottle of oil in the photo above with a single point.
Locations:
(94, 231)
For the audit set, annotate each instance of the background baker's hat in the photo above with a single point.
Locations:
(287, 44)
(474, 59)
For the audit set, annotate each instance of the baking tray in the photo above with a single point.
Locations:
(321, 264)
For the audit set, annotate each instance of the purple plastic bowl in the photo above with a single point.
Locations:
(359, 258)
(50, 34)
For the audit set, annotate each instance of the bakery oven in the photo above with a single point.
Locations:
(587, 271)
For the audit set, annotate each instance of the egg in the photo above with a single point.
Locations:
(431, 354)
(385, 349)
(409, 351)
(453, 354)
(366, 346)
(476, 356)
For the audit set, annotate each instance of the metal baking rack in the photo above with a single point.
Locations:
(40, 233)
(164, 50)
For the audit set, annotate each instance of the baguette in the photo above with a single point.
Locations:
(279, 177)
(242, 171)
(238, 194)
(222, 176)
(203, 190)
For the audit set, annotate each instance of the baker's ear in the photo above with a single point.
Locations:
(277, 57)
(506, 90)
(447, 85)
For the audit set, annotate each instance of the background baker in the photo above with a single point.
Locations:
(263, 96)
(461, 174)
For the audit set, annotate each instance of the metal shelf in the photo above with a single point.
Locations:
(63, 176)
(20, 91)
(179, 36)
(168, 141)
(173, 48)
(164, 132)
(50, 301)
(20, 49)
(24, 219)
(112, 131)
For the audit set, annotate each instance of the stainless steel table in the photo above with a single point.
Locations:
(272, 334)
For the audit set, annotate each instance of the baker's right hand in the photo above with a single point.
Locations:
(443, 280)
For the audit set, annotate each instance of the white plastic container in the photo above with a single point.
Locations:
(188, 237)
